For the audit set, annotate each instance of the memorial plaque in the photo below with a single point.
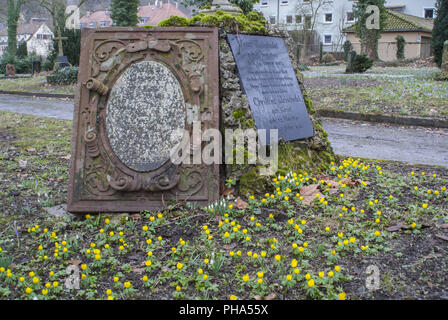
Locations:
(140, 92)
(271, 86)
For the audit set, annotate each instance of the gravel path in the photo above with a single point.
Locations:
(414, 145)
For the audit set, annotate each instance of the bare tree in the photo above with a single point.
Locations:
(341, 25)
(309, 10)
(57, 10)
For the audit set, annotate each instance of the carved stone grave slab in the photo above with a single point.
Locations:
(271, 86)
(140, 92)
(10, 70)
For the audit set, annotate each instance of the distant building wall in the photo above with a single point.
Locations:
(416, 47)
(41, 43)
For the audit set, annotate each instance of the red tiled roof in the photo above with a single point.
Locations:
(154, 13)
(28, 28)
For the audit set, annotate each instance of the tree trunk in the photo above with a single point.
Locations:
(303, 51)
(13, 17)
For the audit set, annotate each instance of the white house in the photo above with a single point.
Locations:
(333, 16)
(38, 38)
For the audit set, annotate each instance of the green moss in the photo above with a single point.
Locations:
(252, 23)
(149, 27)
(240, 115)
(309, 104)
(254, 183)
(174, 21)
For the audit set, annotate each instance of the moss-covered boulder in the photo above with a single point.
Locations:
(312, 154)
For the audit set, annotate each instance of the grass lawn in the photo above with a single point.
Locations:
(363, 213)
(395, 91)
(34, 84)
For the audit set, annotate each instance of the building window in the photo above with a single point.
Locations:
(264, 3)
(284, 2)
(288, 19)
(272, 19)
(350, 17)
(298, 19)
(328, 18)
(104, 23)
(429, 13)
(308, 22)
(83, 25)
(92, 24)
(327, 39)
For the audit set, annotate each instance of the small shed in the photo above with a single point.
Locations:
(416, 31)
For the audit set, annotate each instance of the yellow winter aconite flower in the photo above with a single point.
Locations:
(321, 274)
(233, 297)
(178, 288)
(148, 263)
(424, 205)
(116, 279)
(110, 298)
(35, 280)
(246, 278)
(179, 266)
(413, 225)
(278, 257)
(377, 233)
(145, 228)
(260, 274)
(127, 284)
(28, 290)
(330, 274)
(307, 276)
(289, 277)
(342, 296)
(205, 277)
(311, 283)
(294, 263)
(337, 268)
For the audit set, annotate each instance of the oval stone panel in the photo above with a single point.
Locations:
(145, 116)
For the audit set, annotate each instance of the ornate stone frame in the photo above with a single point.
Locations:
(99, 181)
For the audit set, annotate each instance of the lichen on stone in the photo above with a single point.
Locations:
(253, 23)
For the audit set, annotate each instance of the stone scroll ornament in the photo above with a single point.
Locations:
(137, 92)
